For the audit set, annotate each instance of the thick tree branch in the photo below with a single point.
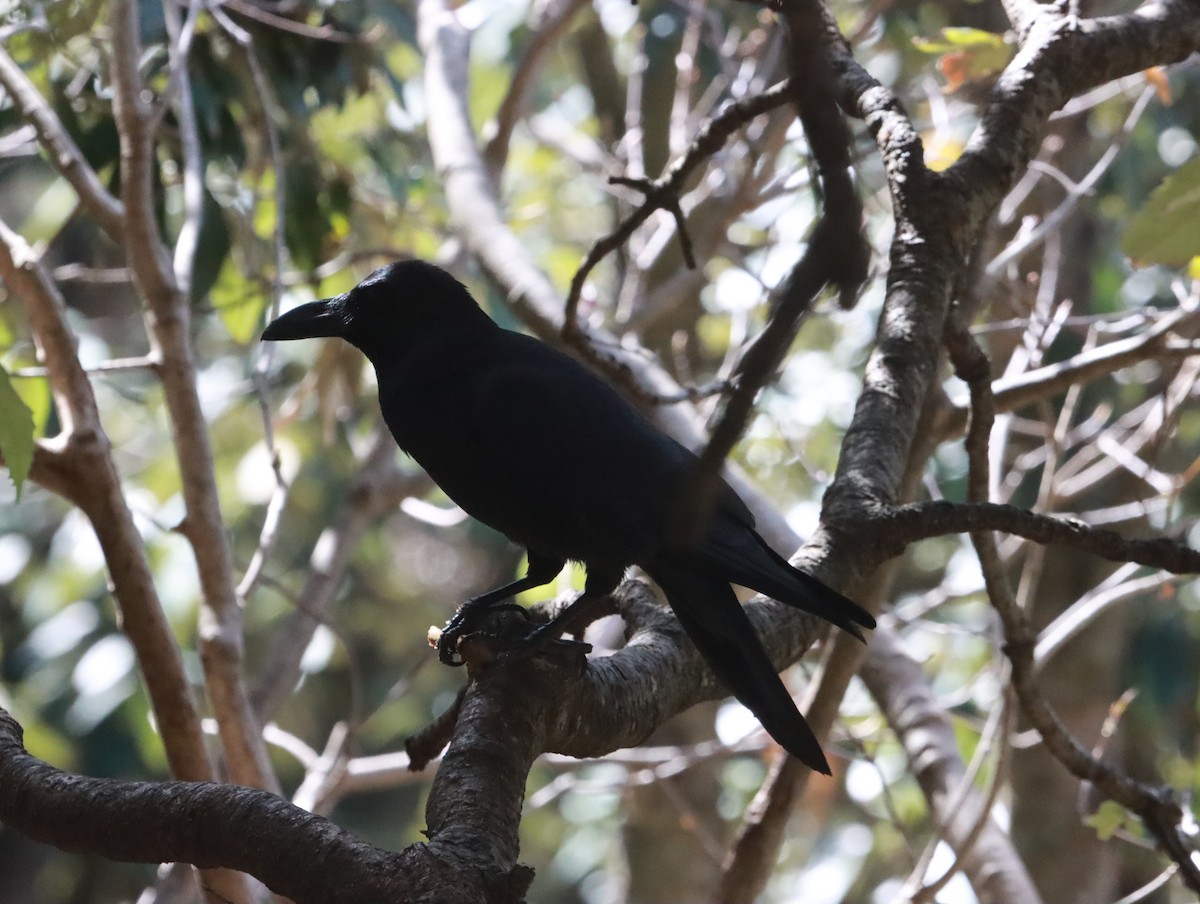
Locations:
(516, 708)
(927, 250)
(1062, 56)
(938, 217)
(78, 462)
(304, 857)
(621, 698)
(837, 252)
(938, 220)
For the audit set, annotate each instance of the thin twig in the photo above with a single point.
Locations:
(1056, 217)
(378, 487)
(995, 736)
(179, 91)
(552, 21)
(923, 725)
(264, 353)
(266, 17)
(666, 188)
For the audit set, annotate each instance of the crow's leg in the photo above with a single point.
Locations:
(601, 582)
(542, 570)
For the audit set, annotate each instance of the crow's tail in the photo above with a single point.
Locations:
(739, 555)
(717, 624)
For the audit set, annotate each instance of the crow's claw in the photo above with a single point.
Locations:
(485, 648)
(465, 621)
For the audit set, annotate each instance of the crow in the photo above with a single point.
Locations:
(534, 444)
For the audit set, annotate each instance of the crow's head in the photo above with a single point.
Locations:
(407, 302)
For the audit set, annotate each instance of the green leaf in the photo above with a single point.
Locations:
(960, 39)
(1109, 817)
(50, 211)
(16, 432)
(35, 393)
(239, 303)
(1167, 229)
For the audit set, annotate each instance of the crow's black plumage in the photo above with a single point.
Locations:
(534, 444)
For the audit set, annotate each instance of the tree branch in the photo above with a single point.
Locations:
(901, 525)
(1157, 807)
(378, 487)
(64, 154)
(80, 460)
(180, 90)
(1158, 342)
(79, 464)
(296, 854)
(1062, 56)
(666, 189)
(168, 318)
(552, 19)
(516, 708)
(903, 693)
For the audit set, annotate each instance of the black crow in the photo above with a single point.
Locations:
(534, 444)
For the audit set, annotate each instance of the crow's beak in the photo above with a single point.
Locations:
(326, 317)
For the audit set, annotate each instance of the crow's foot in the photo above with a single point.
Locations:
(464, 622)
(482, 648)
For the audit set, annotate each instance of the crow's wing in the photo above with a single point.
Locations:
(534, 444)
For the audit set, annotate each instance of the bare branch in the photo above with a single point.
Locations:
(665, 190)
(1060, 57)
(180, 43)
(80, 459)
(1085, 610)
(1157, 807)
(972, 820)
(753, 854)
(1012, 393)
(1056, 217)
(553, 17)
(264, 353)
(908, 523)
(378, 487)
(296, 854)
(168, 318)
(266, 17)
